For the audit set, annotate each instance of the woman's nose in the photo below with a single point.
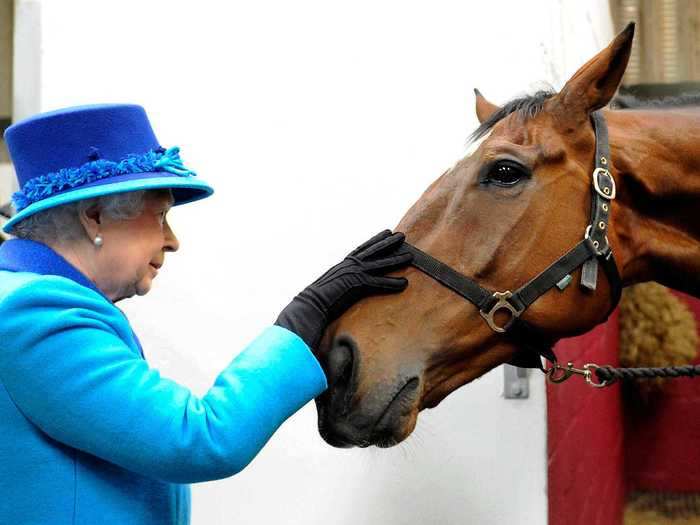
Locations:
(171, 242)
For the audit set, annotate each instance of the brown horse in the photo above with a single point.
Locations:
(500, 216)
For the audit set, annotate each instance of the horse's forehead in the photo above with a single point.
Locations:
(504, 145)
(535, 138)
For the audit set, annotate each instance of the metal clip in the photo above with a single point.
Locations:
(567, 371)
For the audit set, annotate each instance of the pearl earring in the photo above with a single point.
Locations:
(98, 240)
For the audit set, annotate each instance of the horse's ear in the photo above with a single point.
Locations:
(484, 108)
(596, 82)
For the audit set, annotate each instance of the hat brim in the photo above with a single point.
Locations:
(185, 189)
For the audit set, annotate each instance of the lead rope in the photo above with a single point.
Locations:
(608, 375)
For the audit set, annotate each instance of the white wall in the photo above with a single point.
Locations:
(5, 58)
(318, 123)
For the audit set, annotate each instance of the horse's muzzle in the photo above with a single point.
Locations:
(348, 418)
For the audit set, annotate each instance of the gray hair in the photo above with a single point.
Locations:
(62, 223)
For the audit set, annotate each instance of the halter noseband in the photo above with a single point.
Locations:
(593, 249)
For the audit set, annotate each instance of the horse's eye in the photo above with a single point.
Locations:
(505, 174)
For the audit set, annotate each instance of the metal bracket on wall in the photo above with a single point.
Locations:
(515, 383)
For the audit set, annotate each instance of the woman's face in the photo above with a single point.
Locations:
(134, 249)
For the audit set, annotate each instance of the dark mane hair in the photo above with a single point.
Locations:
(628, 101)
(527, 107)
(530, 105)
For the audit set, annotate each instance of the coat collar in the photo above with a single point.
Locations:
(24, 255)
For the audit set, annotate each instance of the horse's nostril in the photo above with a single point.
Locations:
(339, 362)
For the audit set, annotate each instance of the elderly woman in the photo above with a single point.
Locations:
(89, 433)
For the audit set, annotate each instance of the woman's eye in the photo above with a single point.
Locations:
(505, 174)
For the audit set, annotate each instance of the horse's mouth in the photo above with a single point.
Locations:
(434, 395)
(389, 430)
(394, 424)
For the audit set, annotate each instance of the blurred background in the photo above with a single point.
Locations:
(319, 123)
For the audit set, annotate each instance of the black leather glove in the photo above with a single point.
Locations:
(359, 275)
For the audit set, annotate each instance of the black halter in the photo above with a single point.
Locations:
(594, 248)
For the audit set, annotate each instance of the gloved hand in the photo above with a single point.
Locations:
(359, 275)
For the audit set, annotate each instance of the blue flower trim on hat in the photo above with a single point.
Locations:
(44, 186)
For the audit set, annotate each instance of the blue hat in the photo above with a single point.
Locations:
(87, 151)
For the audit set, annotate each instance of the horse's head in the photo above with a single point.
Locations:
(500, 216)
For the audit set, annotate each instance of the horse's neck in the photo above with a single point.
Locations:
(656, 217)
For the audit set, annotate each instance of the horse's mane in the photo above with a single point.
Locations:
(527, 107)
(632, 102)
(530, 105)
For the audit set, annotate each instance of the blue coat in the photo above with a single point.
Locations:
(89, 433)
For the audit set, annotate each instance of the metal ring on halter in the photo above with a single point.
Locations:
(502, 304)
(596, 185)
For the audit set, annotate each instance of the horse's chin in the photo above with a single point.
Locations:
(394, 424)
(436, 394)
(381, 438)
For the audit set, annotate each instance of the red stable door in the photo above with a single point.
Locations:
(585, 436)
(602, 443)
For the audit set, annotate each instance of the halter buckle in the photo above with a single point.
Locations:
(501, 304)
(612, 189)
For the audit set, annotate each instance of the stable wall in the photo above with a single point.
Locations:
(318, 124)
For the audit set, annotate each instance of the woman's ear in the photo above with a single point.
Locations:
(91, 219)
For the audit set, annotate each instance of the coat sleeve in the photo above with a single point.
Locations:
(68, 371)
